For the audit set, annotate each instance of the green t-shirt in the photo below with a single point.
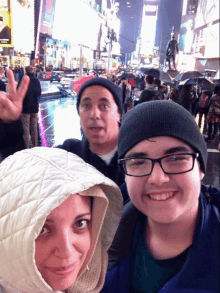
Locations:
(149, 275)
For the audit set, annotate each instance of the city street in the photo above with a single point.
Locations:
(59, 120)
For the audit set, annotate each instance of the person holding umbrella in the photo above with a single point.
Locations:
(213, 116)
(203, 107)
(187, 97)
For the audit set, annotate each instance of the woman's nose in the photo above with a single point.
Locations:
(64, 245)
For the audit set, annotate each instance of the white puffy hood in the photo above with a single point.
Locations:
(34, 182)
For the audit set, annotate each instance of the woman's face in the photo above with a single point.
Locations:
(64, 241)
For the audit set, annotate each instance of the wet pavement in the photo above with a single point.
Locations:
(59, 120)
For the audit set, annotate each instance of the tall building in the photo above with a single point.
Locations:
(130, 15)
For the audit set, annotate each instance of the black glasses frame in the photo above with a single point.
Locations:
(122, 161)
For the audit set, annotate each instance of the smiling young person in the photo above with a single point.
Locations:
(168, 237)
(58, 217)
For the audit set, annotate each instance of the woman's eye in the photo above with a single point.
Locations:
(43, 231)
(82, 224)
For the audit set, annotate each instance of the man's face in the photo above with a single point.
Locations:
(99, 116)
(181, 191)
(124, 81)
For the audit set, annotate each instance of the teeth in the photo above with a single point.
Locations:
(163, 196)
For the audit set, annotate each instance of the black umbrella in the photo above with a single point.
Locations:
(173, 84)
(189, 74)
(188, 81)
(205, 83)
(216, 81)
(126, 75)
(156, 73)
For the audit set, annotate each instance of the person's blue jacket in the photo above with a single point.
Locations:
(199, 274)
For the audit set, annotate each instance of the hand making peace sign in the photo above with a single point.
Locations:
(11, 103)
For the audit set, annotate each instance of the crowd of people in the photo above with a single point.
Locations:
(123, 209)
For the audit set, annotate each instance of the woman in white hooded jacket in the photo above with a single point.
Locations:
(58, 217)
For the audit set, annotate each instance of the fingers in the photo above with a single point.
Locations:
(11, 81)
(23, 87)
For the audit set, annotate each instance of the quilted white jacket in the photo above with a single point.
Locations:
(32, 183)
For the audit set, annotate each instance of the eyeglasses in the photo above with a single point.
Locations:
(171, 164)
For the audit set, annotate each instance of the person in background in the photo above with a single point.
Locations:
(59, 215)
(2, 84)
(31, 108)
(186, 97)
(168, 237)
(174, 95)
(159, 89)
(203, 108)
(149, 93)
(131, 81)
(213, 116)
(126, 93)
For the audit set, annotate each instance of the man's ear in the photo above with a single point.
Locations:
(201, 175)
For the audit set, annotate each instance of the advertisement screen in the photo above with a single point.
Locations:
(208, 11)
(47, 19)
(5, 24)
(77, 24)
(23, 25)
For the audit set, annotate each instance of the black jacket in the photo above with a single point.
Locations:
(75, 146)
(30, 103)
(11, 138)
(147, 95)
(2, 86)
(81, 148)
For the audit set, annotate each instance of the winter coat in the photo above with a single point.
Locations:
(81, 148)
(127, 93)
(33, 182)
(30, 103)
(2, 86)
(147, 95)
(11, 138)
(199, 274)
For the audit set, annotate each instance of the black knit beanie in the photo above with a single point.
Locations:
(160, 118)
(109, 85)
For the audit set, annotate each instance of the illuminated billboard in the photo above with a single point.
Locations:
(5, 24)
(78, 24)
(47, 18)
(207, 12)
(23, 25)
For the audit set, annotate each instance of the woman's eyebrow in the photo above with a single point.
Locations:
(50, 220)
(83, 215)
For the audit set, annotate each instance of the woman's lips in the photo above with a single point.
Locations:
(62, 270)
